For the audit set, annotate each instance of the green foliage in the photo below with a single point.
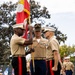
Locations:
(66, 50)
(7, 14)
(7, 18)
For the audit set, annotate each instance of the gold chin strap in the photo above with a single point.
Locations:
(32, 48)
(33, 60)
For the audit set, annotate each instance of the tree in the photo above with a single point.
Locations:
(8, 18)
(37, 12)
(66, 50)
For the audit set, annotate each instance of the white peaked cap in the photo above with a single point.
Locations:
(49, 29)
(66, 57)
(19, 25)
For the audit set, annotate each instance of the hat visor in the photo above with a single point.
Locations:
(20, 28)
(37, 30)
(45, 31)
(23, 28)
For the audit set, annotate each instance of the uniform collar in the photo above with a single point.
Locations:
(15, 34)
(52, 37)
(35, 38)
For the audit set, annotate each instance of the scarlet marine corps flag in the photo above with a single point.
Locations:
(23, 13)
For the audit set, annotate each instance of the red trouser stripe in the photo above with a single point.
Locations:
(20, 65)
(51, 68)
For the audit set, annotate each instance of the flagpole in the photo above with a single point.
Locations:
(32, 52)
(32, 48)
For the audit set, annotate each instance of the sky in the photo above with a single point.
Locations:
(62, 15)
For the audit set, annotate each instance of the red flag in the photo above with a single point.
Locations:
(23, 13)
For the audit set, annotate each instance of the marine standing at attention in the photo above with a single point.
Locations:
(39, 55)
(52, 52)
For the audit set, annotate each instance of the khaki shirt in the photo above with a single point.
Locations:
(68, 66)
(39, 47)
(52, 45)
(16, 45)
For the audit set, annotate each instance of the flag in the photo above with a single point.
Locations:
(23, 13)
(6, 72)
